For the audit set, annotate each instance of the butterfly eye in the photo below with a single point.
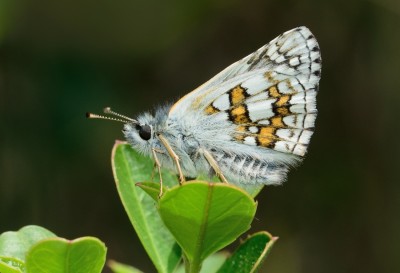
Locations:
(144, 131)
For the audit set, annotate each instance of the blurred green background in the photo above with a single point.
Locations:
(339, 211)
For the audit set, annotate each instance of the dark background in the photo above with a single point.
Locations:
(339, 211)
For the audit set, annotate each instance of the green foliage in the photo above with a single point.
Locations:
(205, 217)
(191, 221)
(250, 254)
(129, 167)
(201, 217)
(17, 243)
(58, 255)
(14, 245)
(247, 258)
(34, 249)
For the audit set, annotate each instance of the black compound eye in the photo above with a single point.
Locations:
(145, 132)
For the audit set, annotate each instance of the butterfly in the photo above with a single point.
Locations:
(248, 124)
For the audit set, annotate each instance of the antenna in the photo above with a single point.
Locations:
(107, 110)
(92, 116)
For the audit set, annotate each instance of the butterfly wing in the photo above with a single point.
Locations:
(268, 98)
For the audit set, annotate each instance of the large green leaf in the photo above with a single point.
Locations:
(205, 217)
(249, 256)
(129, 168)
(57, 255)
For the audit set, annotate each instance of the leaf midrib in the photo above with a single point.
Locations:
(203, 226)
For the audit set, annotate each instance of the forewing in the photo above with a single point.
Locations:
(269, 95)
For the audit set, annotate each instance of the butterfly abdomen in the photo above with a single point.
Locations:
(247, 169)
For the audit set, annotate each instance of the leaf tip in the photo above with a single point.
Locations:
(111, 263)
(118, 142)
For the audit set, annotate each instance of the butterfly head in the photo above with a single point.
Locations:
(139, 133)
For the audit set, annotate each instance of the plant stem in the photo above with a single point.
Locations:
(191, 266)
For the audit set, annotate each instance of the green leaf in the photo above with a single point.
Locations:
(252, 189)
(249, 256)
(117, 267)
(15, 244)
(34, 249)
(57, 255)
(205, 217)
(129, 168)
(151, 188)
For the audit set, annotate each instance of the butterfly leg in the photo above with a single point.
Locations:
(174, 156)
(214, 165)
(157, 163)
(153, 171)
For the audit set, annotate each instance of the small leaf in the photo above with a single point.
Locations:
(151, 188)
(15, 244)
(129, 168)
(57, 255)
(117, 267)
(249, 256)
(205, 217)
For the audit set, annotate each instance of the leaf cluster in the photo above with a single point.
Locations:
(181, 231)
